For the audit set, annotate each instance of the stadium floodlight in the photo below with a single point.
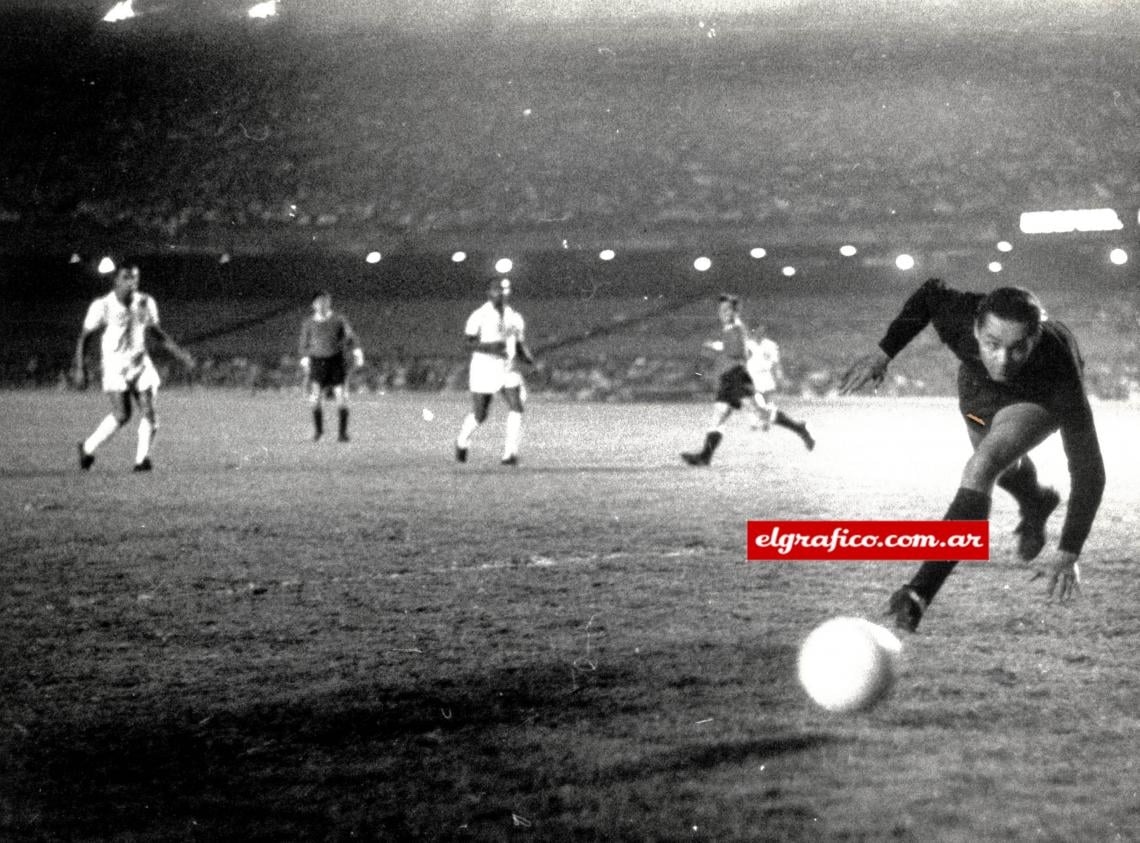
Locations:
(1067, 222)
(606, 255)
(848, 251)
(504, 265)
(1004, 246)
(373, 257)
(1118, 256)
(106, 266)
(123, 10)
(758, 253)
(458, 257)
(788, 271)
(268, 9)
(702, 264)
(904, 262)
(994, 266)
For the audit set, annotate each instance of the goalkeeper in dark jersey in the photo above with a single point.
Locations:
(327, 342)
(1020, 380)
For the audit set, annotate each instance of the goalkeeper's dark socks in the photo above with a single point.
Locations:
(968, 505)
(1021, 482)
(318, 423)
(712, 441)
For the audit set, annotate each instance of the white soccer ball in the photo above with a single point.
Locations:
(849, 664)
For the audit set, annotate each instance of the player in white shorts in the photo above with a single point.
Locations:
(124, 317)
(496, 335)
(764, 368)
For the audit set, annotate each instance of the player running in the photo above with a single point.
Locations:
(1020, 380)
(764, 368)
(126, 318)
(496, 335)
(735, 387)
(326, 342)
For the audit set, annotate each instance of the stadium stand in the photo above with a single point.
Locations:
(266, 144)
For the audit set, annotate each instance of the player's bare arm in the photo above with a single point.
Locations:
(79, 365)
(525, 354)
(495, 347)
(174, 349)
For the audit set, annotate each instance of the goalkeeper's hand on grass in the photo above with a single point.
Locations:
(1062, 575)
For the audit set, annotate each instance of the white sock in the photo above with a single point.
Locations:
(103, 432)
(467, 430)
(146, 431)
(514, 434)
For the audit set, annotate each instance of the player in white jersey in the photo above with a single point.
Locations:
(496, 335)
(124, 317)
(764, 367)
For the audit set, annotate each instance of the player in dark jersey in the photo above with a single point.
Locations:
(326, 342)
(735, 387)
(1020, 380)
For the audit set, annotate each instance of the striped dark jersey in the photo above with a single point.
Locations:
(1052, 377)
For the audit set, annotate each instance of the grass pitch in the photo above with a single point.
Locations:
(274, 639)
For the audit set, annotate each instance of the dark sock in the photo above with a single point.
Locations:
(1021, 481)
(784, 420)
(712, 440)
(968, 505)
(318, 421)
(342, 420)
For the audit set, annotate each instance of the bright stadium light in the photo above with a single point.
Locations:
(458, 257)
(106, 265)
(504, 265)
(788, 271)
(1118, 257)
(373, 257)
(758, 253)
(848, 251)
(606, 255)
(121, 11)
(904, 262)
(702, 264)
(268, 9)
(994, 266)
(1066, 222)
(1004, 246)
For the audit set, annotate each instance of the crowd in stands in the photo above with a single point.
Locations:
(397, 135)
(387, 134)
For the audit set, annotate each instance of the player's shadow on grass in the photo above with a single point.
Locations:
(704, 756)
(158, 767)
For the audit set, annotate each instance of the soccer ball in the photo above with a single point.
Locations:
(848, 664)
